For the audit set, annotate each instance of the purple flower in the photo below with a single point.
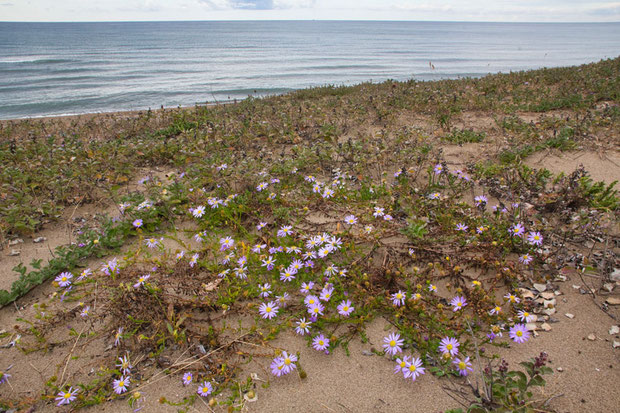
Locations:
(525, 316)
(4, 376)
(449, 345)
(345, 309)
(288, 274)
(303, 327)
(517, 230)
(461, 227)
(187, 378)
(458, 303)
(118, 336)
(320, 343)
(269, 262)
(66, 397)
(413, 369)
(268, 310)
(350, 219)
(284, 364)
(141, 280)
(398, 298)
(519, 333)
(198, 212)
(226, 243)
(316, 309)
(64, 279)
(306, 287)
(392, 344)
(137, 223)
(438, 169)
(265, 290)
(481, 200)
(120, 385)
(535, 238)
(205, 389)
(123, 365)
(326, 293)
(285, 230)
(525, 259)
(463, 366)
(401, 364)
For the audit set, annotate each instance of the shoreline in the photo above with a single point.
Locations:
(131, 113)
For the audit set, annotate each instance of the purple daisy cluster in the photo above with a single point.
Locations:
(283, 364)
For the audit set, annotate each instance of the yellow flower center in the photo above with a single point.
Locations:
(392, 343)
(519, 333)
(64, 279)
(526, 314)
(121, 384)
(449, 346)
(345, 308)
(67, 395)
(321, 342)
(287, 361)
(462, 365)
(412, 368)
(402, 364)
(268, 309)
(205, 389)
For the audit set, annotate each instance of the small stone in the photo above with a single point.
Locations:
(15, 242)
(547, 295)
(531, 327)
(591, 337)
(557, 292)
(14, 253)
(615, 275)
(569, 315)
(613, 301)
(545, 327)
(576, 287)
(39, 239)
(540, 287)
(609, 287)
(614, 330)
(553, 320)
(560, 369)
(549, 303)
(616, 344)
(525, 293)
(549, 311)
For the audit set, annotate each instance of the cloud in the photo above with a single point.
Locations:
(294, 4)
(6, 4)
(252, 4)
(258, 4)
(607, 10)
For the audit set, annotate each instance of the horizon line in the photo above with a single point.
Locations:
(309, 20)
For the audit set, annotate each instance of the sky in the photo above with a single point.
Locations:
(429, 10)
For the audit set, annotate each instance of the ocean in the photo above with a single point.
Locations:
(71, 68)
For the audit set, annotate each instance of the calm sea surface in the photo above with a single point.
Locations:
(68, 68)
